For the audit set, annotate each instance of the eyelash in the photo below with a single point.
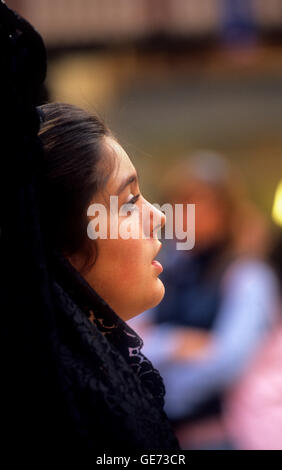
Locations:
(131, 202)
(134, 199)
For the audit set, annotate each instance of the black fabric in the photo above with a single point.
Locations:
(73, 379)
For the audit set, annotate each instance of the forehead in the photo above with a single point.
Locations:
(123, 164)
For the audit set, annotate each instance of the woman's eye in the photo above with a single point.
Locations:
(128, 208)
(133, 199)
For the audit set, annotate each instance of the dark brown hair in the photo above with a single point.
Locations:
(73, 172)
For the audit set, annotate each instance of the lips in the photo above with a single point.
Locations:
(156, 263)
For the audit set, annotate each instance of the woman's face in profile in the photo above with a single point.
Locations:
(124, 273)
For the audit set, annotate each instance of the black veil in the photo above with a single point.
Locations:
(69, 385)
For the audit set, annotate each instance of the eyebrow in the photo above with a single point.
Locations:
(129, 180)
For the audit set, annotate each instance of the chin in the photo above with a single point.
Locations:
(159, 293)
(155, 298)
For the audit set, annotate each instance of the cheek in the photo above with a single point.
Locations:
(132, 254)
(137, 286)
(130, 274)
(124, 276)
(130, 259)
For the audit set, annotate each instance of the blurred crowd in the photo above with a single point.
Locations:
(216, 338)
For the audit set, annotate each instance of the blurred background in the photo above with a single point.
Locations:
(173, 76)
(193, 91)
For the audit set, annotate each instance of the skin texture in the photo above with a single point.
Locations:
(123, 273)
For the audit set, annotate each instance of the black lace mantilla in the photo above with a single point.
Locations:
(127, 383)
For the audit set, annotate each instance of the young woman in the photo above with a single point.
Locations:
(84, 165)
(74, 381)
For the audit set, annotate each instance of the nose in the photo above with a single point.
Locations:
(153, 219)
(157, 219)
